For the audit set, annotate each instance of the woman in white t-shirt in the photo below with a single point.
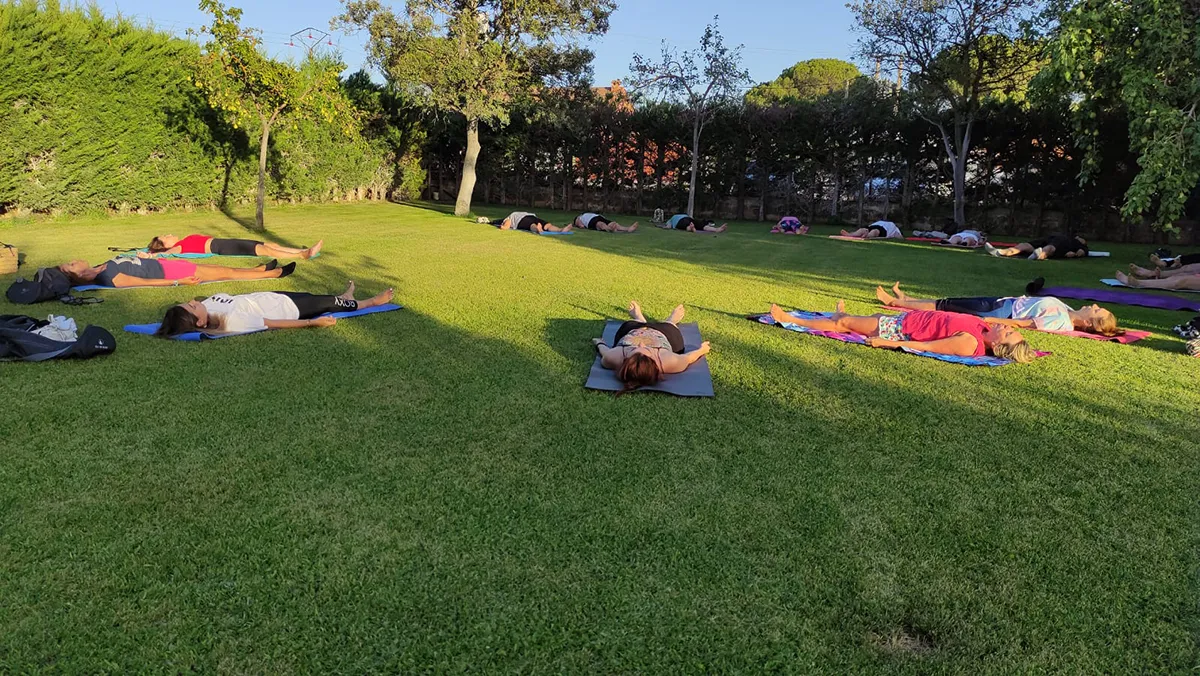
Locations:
(1041, 313)
(224, 313)
(876, 230)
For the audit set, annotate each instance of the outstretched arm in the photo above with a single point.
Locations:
(960, 345)
(678, 363)
(299, 323)
(123, 280)
(610, 358)
(1018, 323)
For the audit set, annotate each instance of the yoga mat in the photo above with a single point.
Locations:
(860, 340)
(547, 233)
(1117, 282)
(864, 239)
(1130, 336)
(1124, 298)
(696, 381)
(1099, 254)
(197, 336)
(133, 254)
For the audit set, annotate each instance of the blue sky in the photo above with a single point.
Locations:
(776, 33)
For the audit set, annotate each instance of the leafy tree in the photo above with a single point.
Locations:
(805, 81)
(240, 80)
(704, 80)
(473, 57)
(960, 53)
(1145, 56)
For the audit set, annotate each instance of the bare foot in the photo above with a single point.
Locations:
(723, 228)
(845, 233)
(841, 308)
(385, 297)
(635, 311)
(1144, 272)
(1158, 262)
(314, 249)
(348, 294)
(883, 296)
(780, 316)
(1127, 280)
(899, 294)
(676, 314)
(567, 228)
(633, 228)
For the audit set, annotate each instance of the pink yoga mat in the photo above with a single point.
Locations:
(1128, 337)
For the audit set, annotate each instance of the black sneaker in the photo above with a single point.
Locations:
(287, 269)
(273, 264)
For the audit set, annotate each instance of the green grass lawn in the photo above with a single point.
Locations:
(434, 490)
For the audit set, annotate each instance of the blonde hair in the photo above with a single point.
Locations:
(1105, 325)
(1020, 352)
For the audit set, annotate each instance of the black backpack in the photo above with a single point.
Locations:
(47, 284)
(19, 343)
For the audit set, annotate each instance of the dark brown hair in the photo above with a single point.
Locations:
(156, 245)
(638, 370)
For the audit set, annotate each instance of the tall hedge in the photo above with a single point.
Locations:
(97, 113)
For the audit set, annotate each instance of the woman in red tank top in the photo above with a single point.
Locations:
(939, 332)
(170, 245)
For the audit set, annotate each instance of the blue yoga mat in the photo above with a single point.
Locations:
(548, 233)
(197, 336)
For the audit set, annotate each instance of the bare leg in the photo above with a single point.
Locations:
(1158, 263)
(676, 315)
(860, 233)
(635, 311)
(506, 224)
(554, 228)
(1193, 269)
(1179, 282)
(380, 299)
(1145, 273)
(839, 322)
(713, 228)
(899, 294)
(1022, 249)
(279, 251)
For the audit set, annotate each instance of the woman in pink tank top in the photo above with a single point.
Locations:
(938, 332)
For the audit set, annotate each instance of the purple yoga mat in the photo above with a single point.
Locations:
(1124, 297)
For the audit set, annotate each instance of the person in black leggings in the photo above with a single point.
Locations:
(643, 352)
(223, 313)
(524, 220)
(1057, 245)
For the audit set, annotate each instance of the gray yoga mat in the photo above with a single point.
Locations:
(696, 381)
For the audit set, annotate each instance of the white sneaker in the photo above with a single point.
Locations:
(1037, 254)
(991, 250)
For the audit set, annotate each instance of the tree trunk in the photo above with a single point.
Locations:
(462, 206)
(260, 201)
(641, 172)
(834, 209)
(862, 191)
(696, 128)
(957, 149)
